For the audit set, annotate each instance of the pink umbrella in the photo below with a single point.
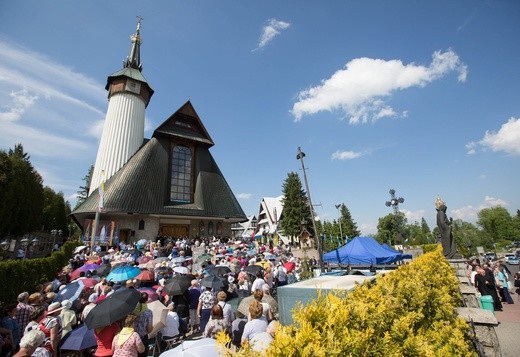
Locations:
(152, 293)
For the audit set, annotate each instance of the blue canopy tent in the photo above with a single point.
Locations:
(390, 249)
(361, 250)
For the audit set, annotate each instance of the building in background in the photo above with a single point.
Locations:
(168, 185)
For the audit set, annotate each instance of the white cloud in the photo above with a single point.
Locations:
(412, 216)
(469, 212)
(346, 155)
(367, 229)
(270, 31)
(21, 101)
(244, 196)
(362, 86)
(507, 139)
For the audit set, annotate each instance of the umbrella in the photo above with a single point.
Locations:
(264, 264)
(142, 241)
(289, 266)
(78, 339)
(149, 265)
(181, 270)
(269, 256)
(206, 347)
(204, 257)
(253, 269)
(123, 273)
(160, 260)
(251, 252)
(214, 282)
(76, 273)
(144, 259)
(151, 292)
(104, 269)
(219, 270)
(71, 292)
(177, 285)
(146, 275)
(113, 308)
(159, 312)
(89, 282)
(79, 249)
(179, 260)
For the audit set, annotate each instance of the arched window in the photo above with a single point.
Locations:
(219, 228)
(181, 174)
(201, 228)
(141, 224)
(210, 228)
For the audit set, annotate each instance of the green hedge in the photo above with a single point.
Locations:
(17, 276)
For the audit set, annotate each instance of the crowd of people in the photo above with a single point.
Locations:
(241, 305)
(494, 279)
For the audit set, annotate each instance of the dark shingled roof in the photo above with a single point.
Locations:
(142, 185)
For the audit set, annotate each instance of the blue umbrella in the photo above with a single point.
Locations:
(78, 339)
(71, 292)
(123, 273)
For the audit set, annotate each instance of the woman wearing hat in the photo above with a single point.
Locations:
(68, 317)
(51, 326)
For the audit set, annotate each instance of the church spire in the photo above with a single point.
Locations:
(134, 59)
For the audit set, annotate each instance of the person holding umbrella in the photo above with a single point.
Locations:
(104, 339)
(127, 342)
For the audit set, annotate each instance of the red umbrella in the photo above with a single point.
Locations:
(89, 282)
(289, 266)
(145, 275)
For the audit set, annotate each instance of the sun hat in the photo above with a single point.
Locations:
(54, 307)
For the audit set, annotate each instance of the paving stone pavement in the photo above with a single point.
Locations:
(508, 331)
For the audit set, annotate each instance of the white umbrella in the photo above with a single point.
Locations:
(159, 312)
(142, 241)
(181, 270)
(79, 249)
(206, 347)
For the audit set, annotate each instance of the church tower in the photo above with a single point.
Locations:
(123, 131)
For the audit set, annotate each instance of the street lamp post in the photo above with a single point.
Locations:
(339, 220)
(300, 155)
(394, 203)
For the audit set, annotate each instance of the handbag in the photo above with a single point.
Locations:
(509, 285)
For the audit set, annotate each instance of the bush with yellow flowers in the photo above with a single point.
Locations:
(407, 312)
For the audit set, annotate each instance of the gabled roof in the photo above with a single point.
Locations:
(185, 124)
(142, 185)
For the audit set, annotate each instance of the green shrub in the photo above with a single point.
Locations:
(27, 274)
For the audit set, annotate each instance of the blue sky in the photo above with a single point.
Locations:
(422, 97)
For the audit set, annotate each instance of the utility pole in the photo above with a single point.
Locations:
(300, 157)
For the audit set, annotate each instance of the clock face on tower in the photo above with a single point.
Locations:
(133, 86)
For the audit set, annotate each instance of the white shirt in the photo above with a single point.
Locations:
(172, 325)
(257, 284)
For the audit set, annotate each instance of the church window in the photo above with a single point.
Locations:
(201, 228)
(181, 174)
(210, 228)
